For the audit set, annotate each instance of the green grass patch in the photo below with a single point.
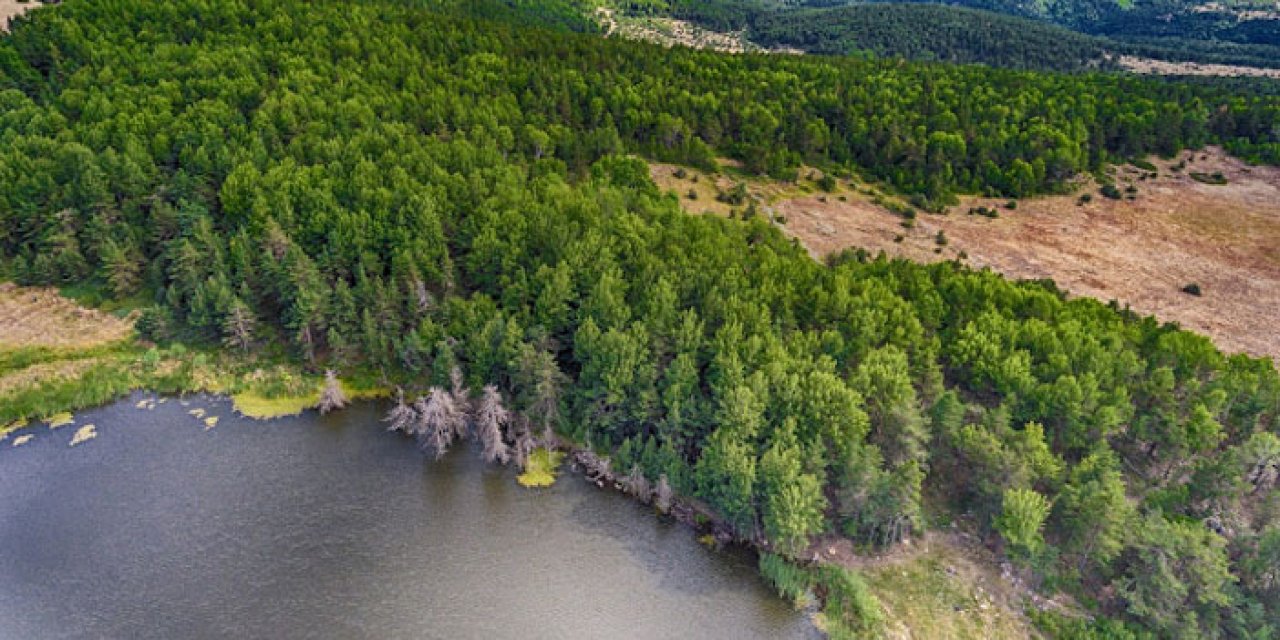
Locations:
(95, 294)
(60, 419)
(793, 582)
(253, 404)
(22, 357)
(850, 610)
(938, 595)
(542, 468)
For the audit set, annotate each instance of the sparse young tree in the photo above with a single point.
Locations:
(491, 417)
(1021, 520)
(538, 381)
(331, 397)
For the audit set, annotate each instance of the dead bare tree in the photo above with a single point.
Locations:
(461, 401)
(238, 327)
(490, 418)
(524, 445)
(663, 497)
(401, 416)
(637, 485)
(437, 420)
(331, 397)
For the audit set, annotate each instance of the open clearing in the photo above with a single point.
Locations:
(942, 585)
(12, 8)
(1168, 68)
(1140, 252)
(40, 317)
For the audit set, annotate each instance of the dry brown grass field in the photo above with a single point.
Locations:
(1141, 252)
(38, 317)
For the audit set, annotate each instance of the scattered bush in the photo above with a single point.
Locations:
(1142, 164)
(1215, 178)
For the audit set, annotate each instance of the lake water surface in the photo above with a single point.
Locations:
(330, 527)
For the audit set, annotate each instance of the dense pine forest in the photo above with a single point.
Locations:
(416, 188)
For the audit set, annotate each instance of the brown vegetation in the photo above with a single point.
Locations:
(1169, 68)
(32, 317)
(1140, 251)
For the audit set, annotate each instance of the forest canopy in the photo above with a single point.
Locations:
(415, 189)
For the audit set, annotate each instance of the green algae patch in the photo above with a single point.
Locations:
(252, 404)
(542, 468)
(11, 427)
(61, 419)
(357, 392)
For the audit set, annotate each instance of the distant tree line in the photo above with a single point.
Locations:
(995, 33)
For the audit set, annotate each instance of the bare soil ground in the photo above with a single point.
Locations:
(12, 8)
(1168, 68)
(671, 32)
(32, 317)
(1140, 252)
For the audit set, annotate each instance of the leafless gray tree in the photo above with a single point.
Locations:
(238, 327)
(461, 401)
(524, 446)
(401, 416)
(490, 418)
(662, 494)
(331, 397)
(637, 485)
(437, 420)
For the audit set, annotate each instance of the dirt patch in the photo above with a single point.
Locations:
(34, 317)
(1140, 252)
(1168, 68)
(670, 32)
(10, 9)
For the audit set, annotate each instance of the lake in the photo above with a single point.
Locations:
(331, 527)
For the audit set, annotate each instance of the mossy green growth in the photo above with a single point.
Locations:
(61, 419)
(254, 404)
(542, 468)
